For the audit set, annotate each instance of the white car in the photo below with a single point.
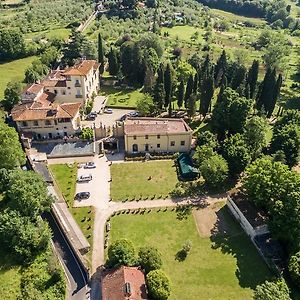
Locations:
(90, 165)
(85, 178)
(108, 111)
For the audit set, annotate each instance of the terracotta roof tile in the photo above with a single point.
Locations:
(82, 68)
(34, 88)
(31, 112)
(155, 126)
(114, 284)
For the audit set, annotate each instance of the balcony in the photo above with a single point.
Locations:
(77, 84)
(78, 96)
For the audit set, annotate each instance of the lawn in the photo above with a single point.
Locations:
(10, 277)
(131, 180)
(224, 267)
(60, 33)
(122, 97)
(183, 33)
(13, 70)
(65, 177)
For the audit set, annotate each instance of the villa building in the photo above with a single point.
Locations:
(50, 109)
(157, 135)
(75, 84)
(39, 116)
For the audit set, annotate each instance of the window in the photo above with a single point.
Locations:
(35, 123)
(158, 136)
(63, 92)
(172, 143)
(24, 124)
(182, 143)
(55, 92)
(158, 146)
(134, 137)
(47, 122)
(146, 136)
(55, 122)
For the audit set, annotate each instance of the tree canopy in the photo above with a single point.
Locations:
(121, 252)
(158, 284)
(11, 153)
(149, 258)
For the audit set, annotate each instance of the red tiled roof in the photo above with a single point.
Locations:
(31, 111)
(34, 88)
(114, 284)
(155, 126)
(82, 68)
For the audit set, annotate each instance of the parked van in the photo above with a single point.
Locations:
(85, 178)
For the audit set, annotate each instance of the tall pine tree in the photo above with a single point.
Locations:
(207, 92)
(113, 62)
(180, 94)
(189, 89)
(252, 77)
(100, 53)
(276, 94)
(220, 68)
(168, 84)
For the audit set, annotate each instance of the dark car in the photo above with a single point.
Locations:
(82, 195)
(91, 117)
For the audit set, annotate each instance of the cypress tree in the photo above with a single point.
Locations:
(220, 68)
(247, 92)
(113, 63)
(238, 77)
(159, 94)
(180, 94)
(252, 77)
(207, 92)
(160, 73)
(222, 89)
(100, 50)
(266, 90)
(189, 89)
(100, 54)
(195, 86)
(191, 105)
(276, 95)
(206, 65)
(168, 84)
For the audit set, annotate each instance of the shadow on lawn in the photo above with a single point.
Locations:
(229, 238)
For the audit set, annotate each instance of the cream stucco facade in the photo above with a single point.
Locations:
(50, 129)
(157, 135)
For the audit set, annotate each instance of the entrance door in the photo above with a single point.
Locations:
(50, 135)
(135, 148)
(146, 147)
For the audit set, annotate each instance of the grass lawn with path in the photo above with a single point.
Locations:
(121, 97)
(222, 267)
(65, 176)
(131, 180)
(14, 70)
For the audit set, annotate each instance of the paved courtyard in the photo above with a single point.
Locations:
(108, 119)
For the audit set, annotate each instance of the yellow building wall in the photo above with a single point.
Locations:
(164, 141)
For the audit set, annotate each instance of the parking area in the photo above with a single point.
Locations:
(108, 119)
(98, 187)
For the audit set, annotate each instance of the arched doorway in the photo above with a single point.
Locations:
(135, 148)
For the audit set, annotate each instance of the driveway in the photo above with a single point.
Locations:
(107, 119)
(98, 187)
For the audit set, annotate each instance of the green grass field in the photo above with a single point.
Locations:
(130, 180)
(183, 33)
(10, 277)
(225, 267)
(65, 177)
(121, 97)
(13, 70)
(60, 33)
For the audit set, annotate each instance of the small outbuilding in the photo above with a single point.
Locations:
(186, 169)
(124, 283)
